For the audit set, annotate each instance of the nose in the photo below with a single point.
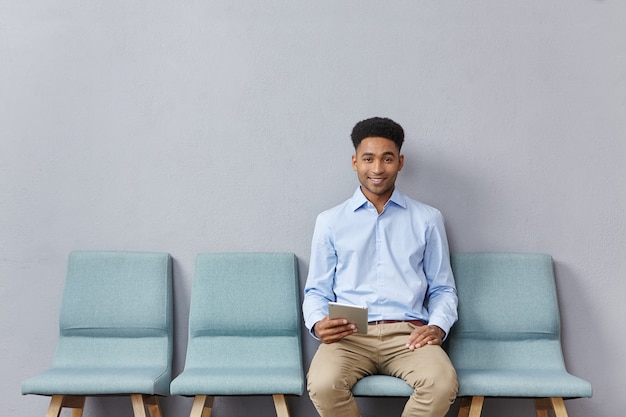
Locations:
(377, 167)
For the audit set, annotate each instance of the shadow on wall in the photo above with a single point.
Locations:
(568, 288)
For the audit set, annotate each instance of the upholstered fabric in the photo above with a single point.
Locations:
(244, 327)
(507, 340)
(116, 327)
(381, 386)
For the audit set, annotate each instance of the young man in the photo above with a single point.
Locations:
(382, 250)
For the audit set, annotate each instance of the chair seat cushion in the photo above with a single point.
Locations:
(238, 381)
(521, 383)
(98, 381)
(381, 386)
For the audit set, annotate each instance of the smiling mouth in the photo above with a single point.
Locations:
(377, 180)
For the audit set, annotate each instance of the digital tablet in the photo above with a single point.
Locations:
(354, 314)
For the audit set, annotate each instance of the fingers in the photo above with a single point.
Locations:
(329, 331)
(425, 335)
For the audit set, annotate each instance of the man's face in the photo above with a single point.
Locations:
(377, 163)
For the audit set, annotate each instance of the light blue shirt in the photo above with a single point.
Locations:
(397, 263)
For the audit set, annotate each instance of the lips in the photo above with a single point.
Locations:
(377, 181)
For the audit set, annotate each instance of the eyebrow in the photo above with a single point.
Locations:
(372, 153)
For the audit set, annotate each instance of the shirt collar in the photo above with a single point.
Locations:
(358, 199)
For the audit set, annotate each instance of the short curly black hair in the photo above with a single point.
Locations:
(377, 127)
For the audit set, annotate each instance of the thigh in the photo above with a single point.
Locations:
(425, 363)
(433, 378)
(343, 363)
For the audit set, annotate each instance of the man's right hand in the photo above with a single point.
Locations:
(331, 331)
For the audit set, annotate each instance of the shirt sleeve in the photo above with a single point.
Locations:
(442, 298)
(318, 290)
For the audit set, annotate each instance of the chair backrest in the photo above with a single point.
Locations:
(117, 311)
(245, 307)
(508, 312)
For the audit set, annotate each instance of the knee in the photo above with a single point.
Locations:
(447, 385)
(323, 384)
(331, 396)
(440, 386)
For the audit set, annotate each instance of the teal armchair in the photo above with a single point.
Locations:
(507, 340)
(244, 330)
(115, 332)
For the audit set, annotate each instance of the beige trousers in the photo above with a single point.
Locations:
(337, 366)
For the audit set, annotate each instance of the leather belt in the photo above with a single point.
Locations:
(413, 322)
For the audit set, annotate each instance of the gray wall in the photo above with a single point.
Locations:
(204, 126)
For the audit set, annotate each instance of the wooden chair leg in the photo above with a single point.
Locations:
(471, 406)
(202, 406)
(142, 402)
(58, 402)
(543, 406)
(559, 407)
(139, 408)
(77, 403)
(154, 408)
(280, 403)
(54, 409)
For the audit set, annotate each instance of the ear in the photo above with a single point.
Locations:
(400, 162)
(354, 162)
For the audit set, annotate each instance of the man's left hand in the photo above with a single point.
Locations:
(425, 335)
